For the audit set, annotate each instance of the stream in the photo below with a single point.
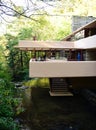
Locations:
(27, 104)
(43, 112)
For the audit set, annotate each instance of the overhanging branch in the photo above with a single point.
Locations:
(9, 11)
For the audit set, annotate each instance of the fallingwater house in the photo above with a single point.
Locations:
(68, 64)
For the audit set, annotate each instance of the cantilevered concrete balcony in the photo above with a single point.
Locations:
(61, 68)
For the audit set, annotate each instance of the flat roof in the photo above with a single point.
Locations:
(44, 45)
(85, 43)
(89, 25)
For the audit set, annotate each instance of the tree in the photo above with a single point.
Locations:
(26, 8)
(8, 102)
(9, 8)
(79, 7)
(30, 8)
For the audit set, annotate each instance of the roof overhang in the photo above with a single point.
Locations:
(87, 26)
(44, 45)
(85, 43)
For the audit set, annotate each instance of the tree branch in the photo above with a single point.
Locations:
(13, 12)
(9, 8)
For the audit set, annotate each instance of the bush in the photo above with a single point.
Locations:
(7, 102)
(7, 123)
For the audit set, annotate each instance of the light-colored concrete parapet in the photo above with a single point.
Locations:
(60, 68)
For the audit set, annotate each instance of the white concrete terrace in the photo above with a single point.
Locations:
(62, 68)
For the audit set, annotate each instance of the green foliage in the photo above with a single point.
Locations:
(64, 30)
(7, 104)
(25, 33)
(38, 82)
(77, 7)
(7, 124)
(15, 58)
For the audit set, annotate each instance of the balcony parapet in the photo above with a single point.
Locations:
(62, 68)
